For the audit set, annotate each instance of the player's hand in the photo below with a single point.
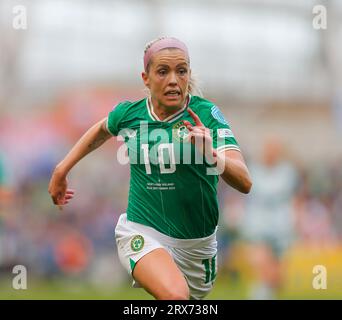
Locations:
(58, 189)
(200, 136)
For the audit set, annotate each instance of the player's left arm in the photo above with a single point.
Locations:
(230, 162)
(235, 172)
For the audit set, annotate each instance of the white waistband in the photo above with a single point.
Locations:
(169, 241)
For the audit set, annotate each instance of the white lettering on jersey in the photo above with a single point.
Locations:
(224, 133)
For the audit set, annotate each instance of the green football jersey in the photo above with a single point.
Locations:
(171, 186)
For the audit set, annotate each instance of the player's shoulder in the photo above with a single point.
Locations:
(206, 109)
(129, 108)
(198, 103)
(127, 105)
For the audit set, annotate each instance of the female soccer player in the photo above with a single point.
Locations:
(178, 145)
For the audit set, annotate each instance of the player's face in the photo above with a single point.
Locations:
(168, 78)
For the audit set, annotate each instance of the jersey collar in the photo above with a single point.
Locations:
(172, 117)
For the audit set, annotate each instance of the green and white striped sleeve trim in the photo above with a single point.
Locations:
(107, 127)
(228, 147)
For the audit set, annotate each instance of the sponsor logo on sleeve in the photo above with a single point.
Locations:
(224, 133)
(218, 115)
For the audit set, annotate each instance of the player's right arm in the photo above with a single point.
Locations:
(91, 140)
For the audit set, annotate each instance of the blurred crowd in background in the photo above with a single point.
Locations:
(281, 94)
(290, 204)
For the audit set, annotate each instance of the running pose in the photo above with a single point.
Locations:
(178, 146)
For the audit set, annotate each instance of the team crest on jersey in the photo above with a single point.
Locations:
(218, 115)
(137, 243)
(180, 131)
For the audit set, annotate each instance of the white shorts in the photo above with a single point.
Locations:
(196, 258)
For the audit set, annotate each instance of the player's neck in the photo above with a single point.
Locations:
(163, 112)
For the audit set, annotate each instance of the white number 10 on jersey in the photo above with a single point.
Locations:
(163, 147)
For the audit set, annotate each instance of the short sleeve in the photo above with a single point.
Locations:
(222, 134)
(115, 117)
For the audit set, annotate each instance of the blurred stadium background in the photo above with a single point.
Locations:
(277, 80)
